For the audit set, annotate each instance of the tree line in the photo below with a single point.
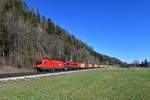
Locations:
(144, 63)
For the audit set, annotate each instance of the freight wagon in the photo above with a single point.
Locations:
(90, 66)
(82, 65)
(95, 65)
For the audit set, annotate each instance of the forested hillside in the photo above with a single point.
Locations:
(26, 37)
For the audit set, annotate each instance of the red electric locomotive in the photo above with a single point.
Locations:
(50, 65)
(71, 65)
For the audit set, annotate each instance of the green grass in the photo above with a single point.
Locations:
(113, 84)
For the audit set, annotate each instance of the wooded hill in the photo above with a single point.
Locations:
(26, 37)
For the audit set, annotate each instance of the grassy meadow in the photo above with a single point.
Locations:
(102, 84)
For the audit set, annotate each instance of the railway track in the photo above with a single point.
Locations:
(9, 75)
(25, 75)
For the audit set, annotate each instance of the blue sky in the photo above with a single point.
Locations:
(119, 28)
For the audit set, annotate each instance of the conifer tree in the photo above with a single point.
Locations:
(51, 26)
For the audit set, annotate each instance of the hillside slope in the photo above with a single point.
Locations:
(26, 37)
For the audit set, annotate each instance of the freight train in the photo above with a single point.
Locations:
(52, 65)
